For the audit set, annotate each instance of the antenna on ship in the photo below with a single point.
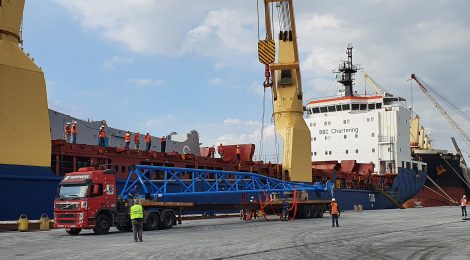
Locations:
(345, 73)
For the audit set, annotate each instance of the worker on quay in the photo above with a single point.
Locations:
(134, 192)
(238, 151)
(163, 144)
(102, 136)
(285, 210)
(211, 153)
(148, 142)
(253, 208)
(67, 131)
(137, 216)
(127, 139)
(137, 140)
(463, 205)
(334, 212)
(74, 132)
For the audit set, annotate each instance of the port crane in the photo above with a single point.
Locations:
(287, 90)
(427, 91)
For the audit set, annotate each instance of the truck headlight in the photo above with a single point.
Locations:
(80, 217)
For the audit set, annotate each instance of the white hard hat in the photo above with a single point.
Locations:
(74, 122)
(68, 123)
(333, 199)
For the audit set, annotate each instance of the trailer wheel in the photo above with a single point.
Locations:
(306, 211)
(73, 231)
(152, 222)
(103, 223)
(168, 220)
(126, 227)
(320, 212)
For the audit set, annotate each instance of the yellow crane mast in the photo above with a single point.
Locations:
(287, 91)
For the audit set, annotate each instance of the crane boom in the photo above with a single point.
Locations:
(287, 91)
(377, 89)
(441, 110)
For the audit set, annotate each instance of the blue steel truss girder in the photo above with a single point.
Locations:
(188, 182)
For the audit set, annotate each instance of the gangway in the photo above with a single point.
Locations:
(155, 182)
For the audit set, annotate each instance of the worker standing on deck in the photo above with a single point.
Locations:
(102, 136)
(238, 151)
(148, 142)
(137, 140)
(221, 150)
(67, 131)
(334, 212)
(74, 132)
(163, 144)
(463, 205)
(211, 152)
(137, 216)
(127, 139)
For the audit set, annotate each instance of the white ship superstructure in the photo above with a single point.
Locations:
(369, 128)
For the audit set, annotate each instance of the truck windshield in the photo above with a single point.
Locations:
(76, 191)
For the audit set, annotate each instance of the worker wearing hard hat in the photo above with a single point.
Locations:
(137, 140)
(67, 131)
(238, 151)
(148, 142)
(127, 139)
(102, 136)
(74, 132)
(137, 216)
(334, 212)
(463, 205)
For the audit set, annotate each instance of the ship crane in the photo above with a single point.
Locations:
(287, 91)
(427, 92)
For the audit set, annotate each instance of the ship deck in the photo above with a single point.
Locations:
(418, 233)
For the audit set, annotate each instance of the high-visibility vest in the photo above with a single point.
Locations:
(136, 138)
(238, 150)
(147, 138)
(463, 202)
(334, 208)
(74, 129)
(137, 212)
(127, 138)
(102, 133)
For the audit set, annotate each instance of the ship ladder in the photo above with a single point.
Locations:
(392, 199)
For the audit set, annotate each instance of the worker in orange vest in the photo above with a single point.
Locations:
(221, 150)
(74, 132)
(102, 135)
(137, 140)
(463, 205)
(238, 151)
(334, 212)
(148, 142)
(163, 144)
(127, 139)
(67, 131)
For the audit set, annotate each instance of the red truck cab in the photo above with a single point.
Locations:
(86, 199)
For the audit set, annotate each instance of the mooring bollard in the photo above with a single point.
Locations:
(44, 222)
(23, 223)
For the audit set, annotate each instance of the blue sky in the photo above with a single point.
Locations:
(164, 66)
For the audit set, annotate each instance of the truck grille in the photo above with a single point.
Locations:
(67, 221)
(66, 215)
(67, 206)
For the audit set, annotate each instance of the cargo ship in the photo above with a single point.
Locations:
(34, 155)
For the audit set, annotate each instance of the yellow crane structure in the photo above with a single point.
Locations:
(287, 91)
(24, 117)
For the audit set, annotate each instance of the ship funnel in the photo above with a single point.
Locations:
(11, 16)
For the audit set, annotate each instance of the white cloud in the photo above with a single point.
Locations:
(216, 81)
(115, 61)
(145, 82)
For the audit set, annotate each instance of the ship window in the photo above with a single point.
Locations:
(355, 106)
(356, 136)
(323, 109)
(331, 109)
(315, 153)
(408, 165)
(402, 164)
(357, 151)
(314, 139)
(345, 136)
(378, 105)
(344, 121)
(372, 119)
(326, 152)
(329, 122)
(315, 110)
(348, 121)
(123, 168)
(325, 123)
(424, 167)
(346, 151)
(338, 108)
(346, 107)
(415, 166)
(368, 119)
(326, 137)
(314, 124)
(373, 150)
(116, 168)
(329, 152)
(371, 106)
(363, 106)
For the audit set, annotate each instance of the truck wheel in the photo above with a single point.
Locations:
(102, 225)
(168, 220)
(73, 231)
(320, 212)
(152, 222)
(127, 227)
(306, 211)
